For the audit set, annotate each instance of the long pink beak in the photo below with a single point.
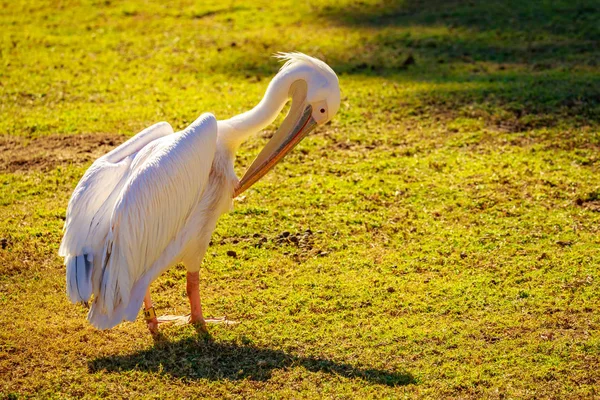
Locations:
(284, 140)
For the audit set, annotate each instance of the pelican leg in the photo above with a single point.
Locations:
(195, 317)
(153, 322)
(193, 292)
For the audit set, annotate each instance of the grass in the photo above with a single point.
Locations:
(438, 239)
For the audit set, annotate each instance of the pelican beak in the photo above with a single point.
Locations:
(294, 128)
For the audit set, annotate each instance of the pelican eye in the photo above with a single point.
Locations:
(322, 111)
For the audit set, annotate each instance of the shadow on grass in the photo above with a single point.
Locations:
(198, 358)
(529, 59)
(537, 33)
(528, 64)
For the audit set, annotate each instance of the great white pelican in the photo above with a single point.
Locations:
(154, 201)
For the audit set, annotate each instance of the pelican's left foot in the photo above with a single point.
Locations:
(187, 319)
(174, 319)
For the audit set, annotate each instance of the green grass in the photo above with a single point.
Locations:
(442, 231)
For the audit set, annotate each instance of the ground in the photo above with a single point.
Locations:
(437, 239)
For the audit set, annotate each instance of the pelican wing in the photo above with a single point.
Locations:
(88, 212)
(151, 210)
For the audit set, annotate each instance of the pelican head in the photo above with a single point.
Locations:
(314, 90)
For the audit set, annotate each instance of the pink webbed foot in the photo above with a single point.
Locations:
(187, 319)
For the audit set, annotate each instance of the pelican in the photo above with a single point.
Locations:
(154, 201)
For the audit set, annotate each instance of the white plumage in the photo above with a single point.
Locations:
(137, 200)
(90, 209)
(154, 201)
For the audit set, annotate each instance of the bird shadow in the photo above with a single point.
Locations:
(200, 357)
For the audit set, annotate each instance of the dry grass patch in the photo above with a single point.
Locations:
(47, 152)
